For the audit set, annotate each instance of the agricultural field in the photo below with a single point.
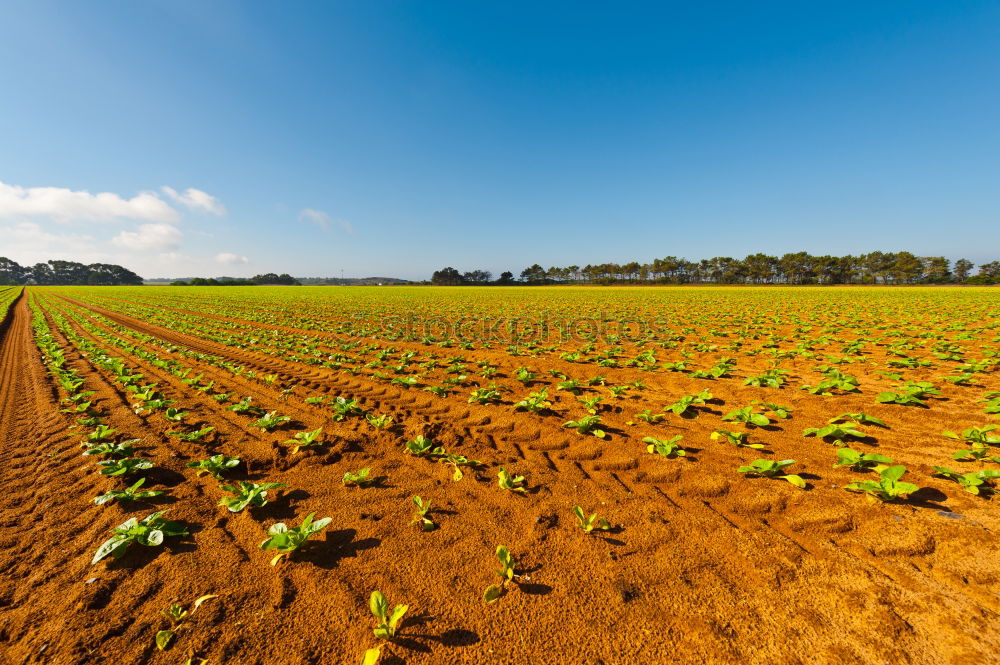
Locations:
(554, 474)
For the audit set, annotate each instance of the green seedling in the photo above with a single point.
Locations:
(772, 469)
(782, 412)
(101, 433)
(150, 532)
(245, 406)
(973, 482)
(976, 435)
(344, 408)
(440, 391)
(359, 477)
(388, 621)
(421, 446)
(421, 514)
(977, 453)
(287, 540)
(588, 524)
(214, 465)
(738, 439)
(586, 425)
(307, 439)
(665, 447)
(270, 421)
(858, 418)
(506, 573)
(109, 449)
(888, 488)
(571, 385)
(535, 402)
(195, 436)
(835, 434)
(859, 461)
(685, 406)
(246, 494)
(315, 400)
(484, 396)
(525, 375)
(649, 417)
(174, 415)
(507, 481)
(457, 462)
(132, 493)
(176, 614)
(379, 422)
(747, 417)
(125, 466)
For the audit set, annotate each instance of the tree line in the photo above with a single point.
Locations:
(792, 268)
(267, 278)
(65, 273)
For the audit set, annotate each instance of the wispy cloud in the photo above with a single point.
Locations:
(66, 205)
(150, 237)
(230, 259)
(325, 221)
(195, 199)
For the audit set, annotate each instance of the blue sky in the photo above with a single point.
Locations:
(394, 138)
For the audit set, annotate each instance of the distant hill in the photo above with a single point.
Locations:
(323, 281)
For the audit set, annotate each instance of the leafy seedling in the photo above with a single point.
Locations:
(150, 532)
(507, 481)
(747, 416)
(174, 415)
(738, 439)
(270, 421)
(589, 523)
(685, 406)
(287, 540)
(246, 494)
(535, 402)
(421, 514)
(125, 466)
(664, 447)
(773, 469)
(457, 462)
(421, 446)
(388, 621)
(132, 493)
(109, 449)
(835, 434)
(973, 482)
(308, 439)
(379, 422)
(859, 461)
(196, 435)
(506, 573)
(214, 465)
(888, 488)
(360, 477)
(586, 425)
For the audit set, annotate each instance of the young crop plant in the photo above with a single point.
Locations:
(215, 465)
(773, 469)
(782, 412)
(506, 573)
(176, 614)
(973, 482)
(287, 540)
(246, 494)
(124, 466)
(524, 375)
(570, 385)
(149, 531)
(420, 517)
(109, 449)
(738, 439)
(685, 407)
(388, 622)
(439, 391)
(586, 425)
(132, 493)
(747, 416)
(913, 393)
(245, 406)
(618, 391)
(484, 396)
(421, 446)
(649, 417)
(270, 421)
(101, 433)
(888, 487)
(379, 422)
(175, 415)
(860, 461)
(535, 402)
(307, 439)
(836, 434)
(772, 378)
(665, 447)
(359, 478)
(976, 453)
(195, 436)
(457, 462)
(588, 523)
(508, 481)
(344, 408)
(316, 400)
(858, 418)
(593, 404)
(976, 435)
(835, 382)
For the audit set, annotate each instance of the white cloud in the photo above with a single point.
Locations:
(195, 199)
(156, 237)
(28, 243)
(323, 220)
(66, 205)
(230, 259)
